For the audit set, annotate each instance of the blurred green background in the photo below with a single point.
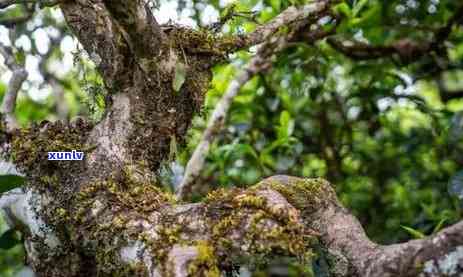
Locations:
(388, 135)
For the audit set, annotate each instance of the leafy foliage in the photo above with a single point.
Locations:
(9, 239)
(379, 129)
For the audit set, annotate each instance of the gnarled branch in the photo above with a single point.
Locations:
(281, 214)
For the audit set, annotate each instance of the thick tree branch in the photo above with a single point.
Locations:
(281, 214)
(141, 65)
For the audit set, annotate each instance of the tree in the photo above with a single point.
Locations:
(106, 215)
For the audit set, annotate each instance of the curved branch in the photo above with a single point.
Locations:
(293, 17)
(361, 50)
(407, 50)
(287, 18)
(344, 238)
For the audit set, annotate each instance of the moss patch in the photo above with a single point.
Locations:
(269, 230)
(205, 263)
(30, 146)
(304, 194)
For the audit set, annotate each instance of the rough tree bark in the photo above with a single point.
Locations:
(106, 216)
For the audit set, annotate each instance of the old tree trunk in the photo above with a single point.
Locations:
(106, 216)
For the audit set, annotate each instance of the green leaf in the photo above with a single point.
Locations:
(228, 10)
(369, 19)
(180, 76)
(439, 225)
(415, 233)
(358, 7)
(20, 57)
(9, 182)
(343, 9)
(9, 239)
(276, 5)
(243, 149)
(286, 127)
(173, 149)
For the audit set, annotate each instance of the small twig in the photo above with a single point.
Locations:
(61, 106)
(16, 81)
(11, 22)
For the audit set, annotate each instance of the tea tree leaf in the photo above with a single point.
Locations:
(180, 76)
(9, 182)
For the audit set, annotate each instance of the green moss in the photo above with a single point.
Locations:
(220, 195)
(31, 146)
(101, 208)
(205, 263)
(168, 112)
(220, 228)
(304, 194)
(273, 229)
(50, 180)
(60, 212)
(122, 195)
(94, 215)
(203, 41)
(250, 200)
